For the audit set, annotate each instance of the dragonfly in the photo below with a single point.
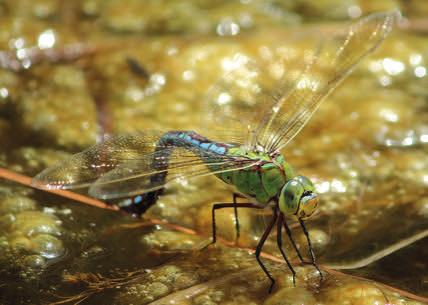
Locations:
(252, 117)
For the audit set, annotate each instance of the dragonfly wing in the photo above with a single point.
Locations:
(156, 170)
(84, 168)
(337, 57)
(235, 105)
(230, 101)
(128, 165)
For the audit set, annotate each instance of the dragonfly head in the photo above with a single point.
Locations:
(298, 198)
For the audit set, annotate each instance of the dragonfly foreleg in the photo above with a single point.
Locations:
(279, 242)
(260, 247)
(290, 236)
(311, 250)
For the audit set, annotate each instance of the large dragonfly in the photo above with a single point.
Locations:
(254, 117)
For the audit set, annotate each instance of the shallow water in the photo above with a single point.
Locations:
(74, 71)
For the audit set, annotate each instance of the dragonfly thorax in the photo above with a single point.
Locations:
(272, 179)
(263, 180)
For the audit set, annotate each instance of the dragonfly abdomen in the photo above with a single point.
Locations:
(193, 139)
(166, 145)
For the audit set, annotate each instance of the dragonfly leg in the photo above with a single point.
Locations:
(311, 250)
(235, 208)
(260, 247)
(217, 206)
(293, 242)
(279, 242)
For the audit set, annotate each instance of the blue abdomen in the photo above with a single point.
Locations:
(191, 138)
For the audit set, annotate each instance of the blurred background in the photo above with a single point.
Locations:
(73, 71)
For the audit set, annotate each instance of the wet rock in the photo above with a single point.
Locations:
(319, 238)
(45, 8)
(16, 204)
(211, 297)
(190, 17)
(31, 160)
(291, 295)
(168, 240)
(359, 293)
(53, 105)
(422, 207)
(42, 111)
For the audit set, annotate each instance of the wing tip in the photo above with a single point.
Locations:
(46, 181)
(389, 17)
(394, 15)
(42, 184)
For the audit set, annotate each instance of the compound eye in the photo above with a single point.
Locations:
(307, 184)
(308, 205)
(290, 197)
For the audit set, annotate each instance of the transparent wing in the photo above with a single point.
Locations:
(235, 105)
(154, 171)
(232, 102)
(133, 164)
(265, 99)
(84, 168)
(337, 57)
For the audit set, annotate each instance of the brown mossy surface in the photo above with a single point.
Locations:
(72, 71)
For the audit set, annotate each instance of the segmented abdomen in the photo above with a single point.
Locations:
(193, 139)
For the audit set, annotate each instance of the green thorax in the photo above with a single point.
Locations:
(262, 181)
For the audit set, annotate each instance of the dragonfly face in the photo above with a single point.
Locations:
(298, 198)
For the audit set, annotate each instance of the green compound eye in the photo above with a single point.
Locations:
(307, 184)
(290, 197)
(298, 197)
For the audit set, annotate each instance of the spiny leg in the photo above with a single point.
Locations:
(260, 246)
(311, 250)
(218, 206)
(290, 237)
(279, 242)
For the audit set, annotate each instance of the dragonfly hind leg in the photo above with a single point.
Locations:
(235, 209)
(311, 250)
(235, 206)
